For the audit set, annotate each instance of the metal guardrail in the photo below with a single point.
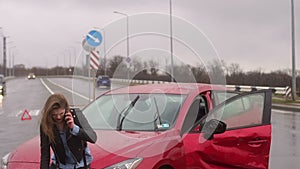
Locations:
(276, 90)
(286, 91)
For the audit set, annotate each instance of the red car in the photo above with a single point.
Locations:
(166, 126)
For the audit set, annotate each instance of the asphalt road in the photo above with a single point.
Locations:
(285, 146)
(30, 95)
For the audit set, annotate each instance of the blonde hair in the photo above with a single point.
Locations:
(54, 101)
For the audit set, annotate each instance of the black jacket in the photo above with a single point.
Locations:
(76, 144)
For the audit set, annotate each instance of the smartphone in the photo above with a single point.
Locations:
(65, 115)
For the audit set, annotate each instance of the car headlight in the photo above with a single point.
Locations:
(4, 161)
(1, 87)
(127, 164)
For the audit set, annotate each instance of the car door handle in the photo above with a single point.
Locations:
(257, 142)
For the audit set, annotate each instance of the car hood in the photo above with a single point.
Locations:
(115, 146)
(27, 152)
(111, 146)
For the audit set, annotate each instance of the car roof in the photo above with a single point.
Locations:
(100, 76)
(170, 88)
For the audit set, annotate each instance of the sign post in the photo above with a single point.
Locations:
(92, 39)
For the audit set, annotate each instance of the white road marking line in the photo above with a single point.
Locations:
(69, 90)
(34, 112)
(50, 91)
(282, 111)
(19, 114)
(30, 112)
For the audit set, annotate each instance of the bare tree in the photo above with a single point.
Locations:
(216, 72)
(234, 69)
(200, 74)
(153, 67)
(117, 68)
(136, 65)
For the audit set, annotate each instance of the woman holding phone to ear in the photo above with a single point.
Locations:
(67, 133)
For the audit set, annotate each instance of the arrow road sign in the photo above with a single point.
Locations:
(94, 38)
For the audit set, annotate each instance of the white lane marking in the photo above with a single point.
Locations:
(71, 91)
(34, 112)
(19, 114)
(282, 111)
(50, 91)
(30, 112)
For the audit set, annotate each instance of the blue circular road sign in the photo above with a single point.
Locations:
(128, 60)
(94, 38)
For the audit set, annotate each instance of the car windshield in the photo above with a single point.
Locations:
(149, 112)
(105, 78)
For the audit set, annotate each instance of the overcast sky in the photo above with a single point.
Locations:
(256, 34)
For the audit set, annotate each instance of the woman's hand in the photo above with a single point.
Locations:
(69, 119)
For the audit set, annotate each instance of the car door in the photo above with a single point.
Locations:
(246, 141)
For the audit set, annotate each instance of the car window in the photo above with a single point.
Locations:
(220, 96)
(103, 78)
(243, 111)
(197, 110)
(149, 113)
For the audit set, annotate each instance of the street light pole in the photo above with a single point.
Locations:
(13, 64)
(171, 43)
(10, 61)
(4, 56)
(74, 56)
(127, 37)
(293, 52)
(104, 51)
(4, 53)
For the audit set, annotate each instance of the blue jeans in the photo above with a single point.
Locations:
(53, 166)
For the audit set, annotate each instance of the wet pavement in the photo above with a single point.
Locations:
(285, 147)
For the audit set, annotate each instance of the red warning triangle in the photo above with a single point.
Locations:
(26, 115)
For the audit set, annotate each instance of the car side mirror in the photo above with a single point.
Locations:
(212, 127)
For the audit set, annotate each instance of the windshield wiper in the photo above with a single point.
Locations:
(126, 110)
(157, 116)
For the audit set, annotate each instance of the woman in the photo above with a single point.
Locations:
(67, 133)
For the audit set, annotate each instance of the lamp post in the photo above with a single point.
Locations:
(4, 52)
(104, 51)
(4, 55)
(293, 52)
(11, 64)
(127, 37)
(171, 42)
